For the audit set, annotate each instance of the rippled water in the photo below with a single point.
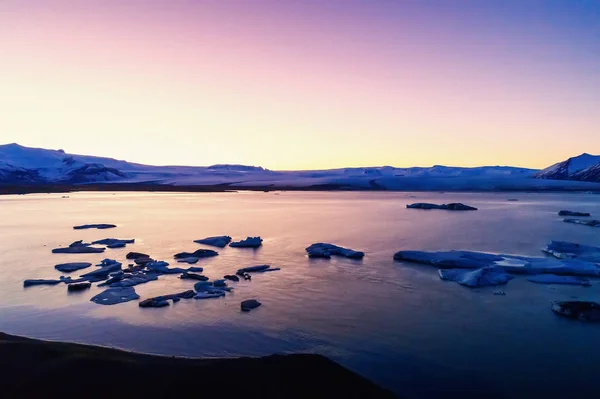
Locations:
(396, 323)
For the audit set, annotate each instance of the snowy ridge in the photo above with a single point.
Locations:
(570, 168)
(23, 166)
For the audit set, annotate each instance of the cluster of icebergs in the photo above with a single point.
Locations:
(120, 282)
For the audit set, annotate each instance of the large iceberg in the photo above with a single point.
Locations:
(217, 241)
(569, 250)
(249, 242)
(78, 247)
(112, 296)
(491, 275)
(323, 250)
(457, 206)
(579, 266)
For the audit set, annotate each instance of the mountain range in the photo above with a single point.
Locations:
(24, 169)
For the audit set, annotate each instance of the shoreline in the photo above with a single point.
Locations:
(37, 367)
(223, 188)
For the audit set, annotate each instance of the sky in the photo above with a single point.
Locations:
(303, 84)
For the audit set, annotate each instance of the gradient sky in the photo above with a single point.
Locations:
(303, 84)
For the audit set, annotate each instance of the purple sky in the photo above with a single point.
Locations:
(303, 84)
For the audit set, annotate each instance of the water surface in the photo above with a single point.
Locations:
(396, 323)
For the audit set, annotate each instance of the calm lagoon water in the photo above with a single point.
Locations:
(396, 323)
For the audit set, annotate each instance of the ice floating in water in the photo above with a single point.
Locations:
(591, 223)
(323, 250)
(191, 260)
(569, 250)
(195, 269)
(208, 295)
(498, 292)
(572, 213)
(218, 241)
(449, 207)
(136, 255)
(249, 242)
(160, 267)
(202, 285)
(231, 277)
(112, 296)
(78, 247)
(100, 226)
(28, 283)
(491, 275)
(582, 310)
(129, 280)
(71, 267)
(510, 263)
(201, 253)
(79, 286)
(193, 276)
(249, 304)
(108, 266)
(162, 301)
(113, 242)
(256, 269)
(554, 279)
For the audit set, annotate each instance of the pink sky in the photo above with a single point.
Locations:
(302, 84)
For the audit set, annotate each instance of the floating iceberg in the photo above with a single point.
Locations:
(113, 242)
(100, 226)
(193, 276)
(162, 301)
(201, 253)
(249, 242)
(208, 295)
(201, 286)
(249, 304)
(569, 250)
(591, 223)
(28, 283)
(78, 247)
(112, 296)
(491, 275)
(108, 266)
(71, 267)
(136, 255)
(582, 310)
(195, 269)
(129, 280)
(554, 279)
(581, 266)
(572, 213)
(449, 207)
(256, 269)
(160, 267)
(231, 277)
(323, 250)
(191, 260)
(79, 286)
(218, 241)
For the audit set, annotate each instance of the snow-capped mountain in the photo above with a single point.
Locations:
(570, 169)
(589, 174)
(27, 167)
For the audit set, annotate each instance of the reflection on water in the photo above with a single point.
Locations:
(396, 323)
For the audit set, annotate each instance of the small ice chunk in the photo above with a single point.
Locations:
(193, 276)
(31, 282)
(249, 242)
(217, 241)
(79, 286)
(191, 260)
(591, 223)
(71, 267)
(100, 226)
(200, 253)
(582, 310)
(457, 206)
(498, 292)
(255, 269)
(78, 247)
(324, 250)
(208, 295)
(249, 304)
(112, 296)
(573, 213)
(162, 301)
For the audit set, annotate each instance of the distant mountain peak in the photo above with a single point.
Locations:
(567, 170)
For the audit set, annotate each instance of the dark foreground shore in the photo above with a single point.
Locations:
(51, 369)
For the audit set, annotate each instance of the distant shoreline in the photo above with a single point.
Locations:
(221, 188)
(54, 369)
